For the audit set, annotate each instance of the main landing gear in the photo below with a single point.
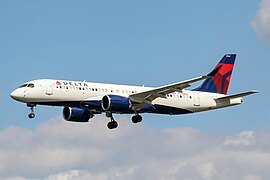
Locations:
(112, 124)
(137, 118)
(31, 115)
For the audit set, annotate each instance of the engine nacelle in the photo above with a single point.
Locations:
(115, 103)
(76, 114)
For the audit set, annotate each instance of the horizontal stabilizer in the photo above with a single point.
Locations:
(225, 98)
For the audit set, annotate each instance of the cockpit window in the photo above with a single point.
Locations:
(31, 85)
(24, 85)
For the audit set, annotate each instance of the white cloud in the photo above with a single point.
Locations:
(207, 170)
(245, 138)
(261, 21)
(58, 150)
(64, 175)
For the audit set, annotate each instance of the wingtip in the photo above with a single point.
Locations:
(254, 91)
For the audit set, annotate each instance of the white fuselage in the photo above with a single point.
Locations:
(63, 93)
(82, 100)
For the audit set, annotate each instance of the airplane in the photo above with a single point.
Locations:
(82, 100)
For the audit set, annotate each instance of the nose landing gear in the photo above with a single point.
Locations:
(31, 115)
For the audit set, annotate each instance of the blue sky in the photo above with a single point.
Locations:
(149, 43)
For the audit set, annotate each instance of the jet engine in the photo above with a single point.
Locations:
(76, 114)
(115, 103)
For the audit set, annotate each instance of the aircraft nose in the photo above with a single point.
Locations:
(16, 95)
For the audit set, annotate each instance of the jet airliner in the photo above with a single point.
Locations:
(82, 100)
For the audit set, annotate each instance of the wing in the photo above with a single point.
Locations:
(148, 96)
(140, 99)
(92, 104)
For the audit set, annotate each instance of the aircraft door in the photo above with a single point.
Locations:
(49, 87)
(196, 99)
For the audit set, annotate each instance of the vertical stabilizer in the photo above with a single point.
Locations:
(219, 83)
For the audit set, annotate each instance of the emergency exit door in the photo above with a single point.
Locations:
(196, 99)
(49, 87)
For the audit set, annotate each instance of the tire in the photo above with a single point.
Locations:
(31, 115)
(136, 119)
(112, 125)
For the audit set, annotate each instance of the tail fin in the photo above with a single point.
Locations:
(219, 83)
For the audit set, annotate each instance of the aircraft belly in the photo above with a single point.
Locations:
(172, 106)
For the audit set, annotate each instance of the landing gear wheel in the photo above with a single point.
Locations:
(112, 125)
(137, 118)
(31, 115)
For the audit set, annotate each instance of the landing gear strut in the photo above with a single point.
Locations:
(137, 118)
(31, 115)
(112, 124)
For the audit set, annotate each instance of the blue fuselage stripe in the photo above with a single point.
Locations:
(158, 109)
